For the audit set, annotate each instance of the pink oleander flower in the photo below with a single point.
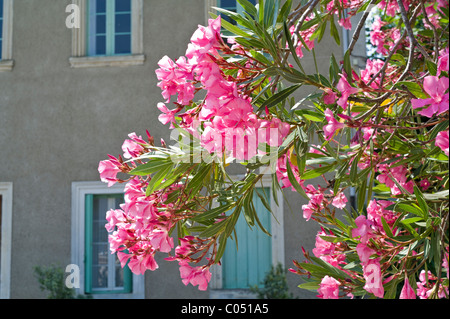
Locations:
(168, 116)
(329, 96)
(339, 200)
(426, 287)
(138, 264)
(425, 184)
(363, 229)
(372, 68)
(346, 23)
(175, 79)
(438, 101)
(108, 170)
(306, 36)
(373, 277)
(407, 291)
(114, 216)
(346, 90)
(364, 253)
(328, 251)
(323, 247)
(161, 240)
(399, 174)
(442, 140)
(307, 212)
(332, 126)
(131, 147)
(329, 288)
(205, 39)
(391, 6)
(377, 209)
(198, 276)
(443, 64)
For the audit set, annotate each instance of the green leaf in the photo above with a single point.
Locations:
(432, 68)
(334, 69)
(294, 181)
(347, 65)
(334, 32)
(249, 209)
(248, 6)
(386, 228)
(317, 172)
(312, 286)
(406, 207)
(157, 178)
(222, 245)
(333, 271)
(310, 115)
(152, 166)
(414, 88)
(214, 229)
(421, 200)
(196, 183)
(279, 97)
(213, 213)
(287, 34)
(361, 199)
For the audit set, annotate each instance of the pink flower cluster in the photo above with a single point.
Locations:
(351, 7)
(392, 176)
(382, 38)
(332, 253)
(391, 6)
(306, 36)
(225, 120)
(141, 227)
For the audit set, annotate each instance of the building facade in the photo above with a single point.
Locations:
(71, 90)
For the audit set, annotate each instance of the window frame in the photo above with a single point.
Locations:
(80, 59)
(6, 61)
(78, 220)
(278, 255)
(6, 192)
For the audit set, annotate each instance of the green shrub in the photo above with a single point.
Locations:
(275, 285)
(52, 280)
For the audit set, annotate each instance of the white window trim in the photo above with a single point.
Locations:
(6, 192)
(277, 232)
(79, 47)
(79, 192)
(7, 63)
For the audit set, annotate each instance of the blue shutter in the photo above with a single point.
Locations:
(247, 265)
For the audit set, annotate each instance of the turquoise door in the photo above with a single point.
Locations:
(247, 266)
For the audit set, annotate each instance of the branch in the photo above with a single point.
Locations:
(412, 39)
(361, 23)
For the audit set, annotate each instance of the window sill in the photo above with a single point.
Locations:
(6, 65)
(105, 61)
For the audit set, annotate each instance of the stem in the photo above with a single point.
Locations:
(361, 23)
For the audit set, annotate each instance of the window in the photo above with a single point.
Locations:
(6, 62)
(6, 193)
(102, 275)
(110, 34)
(109, 27)
(247, 266)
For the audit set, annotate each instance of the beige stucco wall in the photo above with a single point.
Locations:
(57, 123)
